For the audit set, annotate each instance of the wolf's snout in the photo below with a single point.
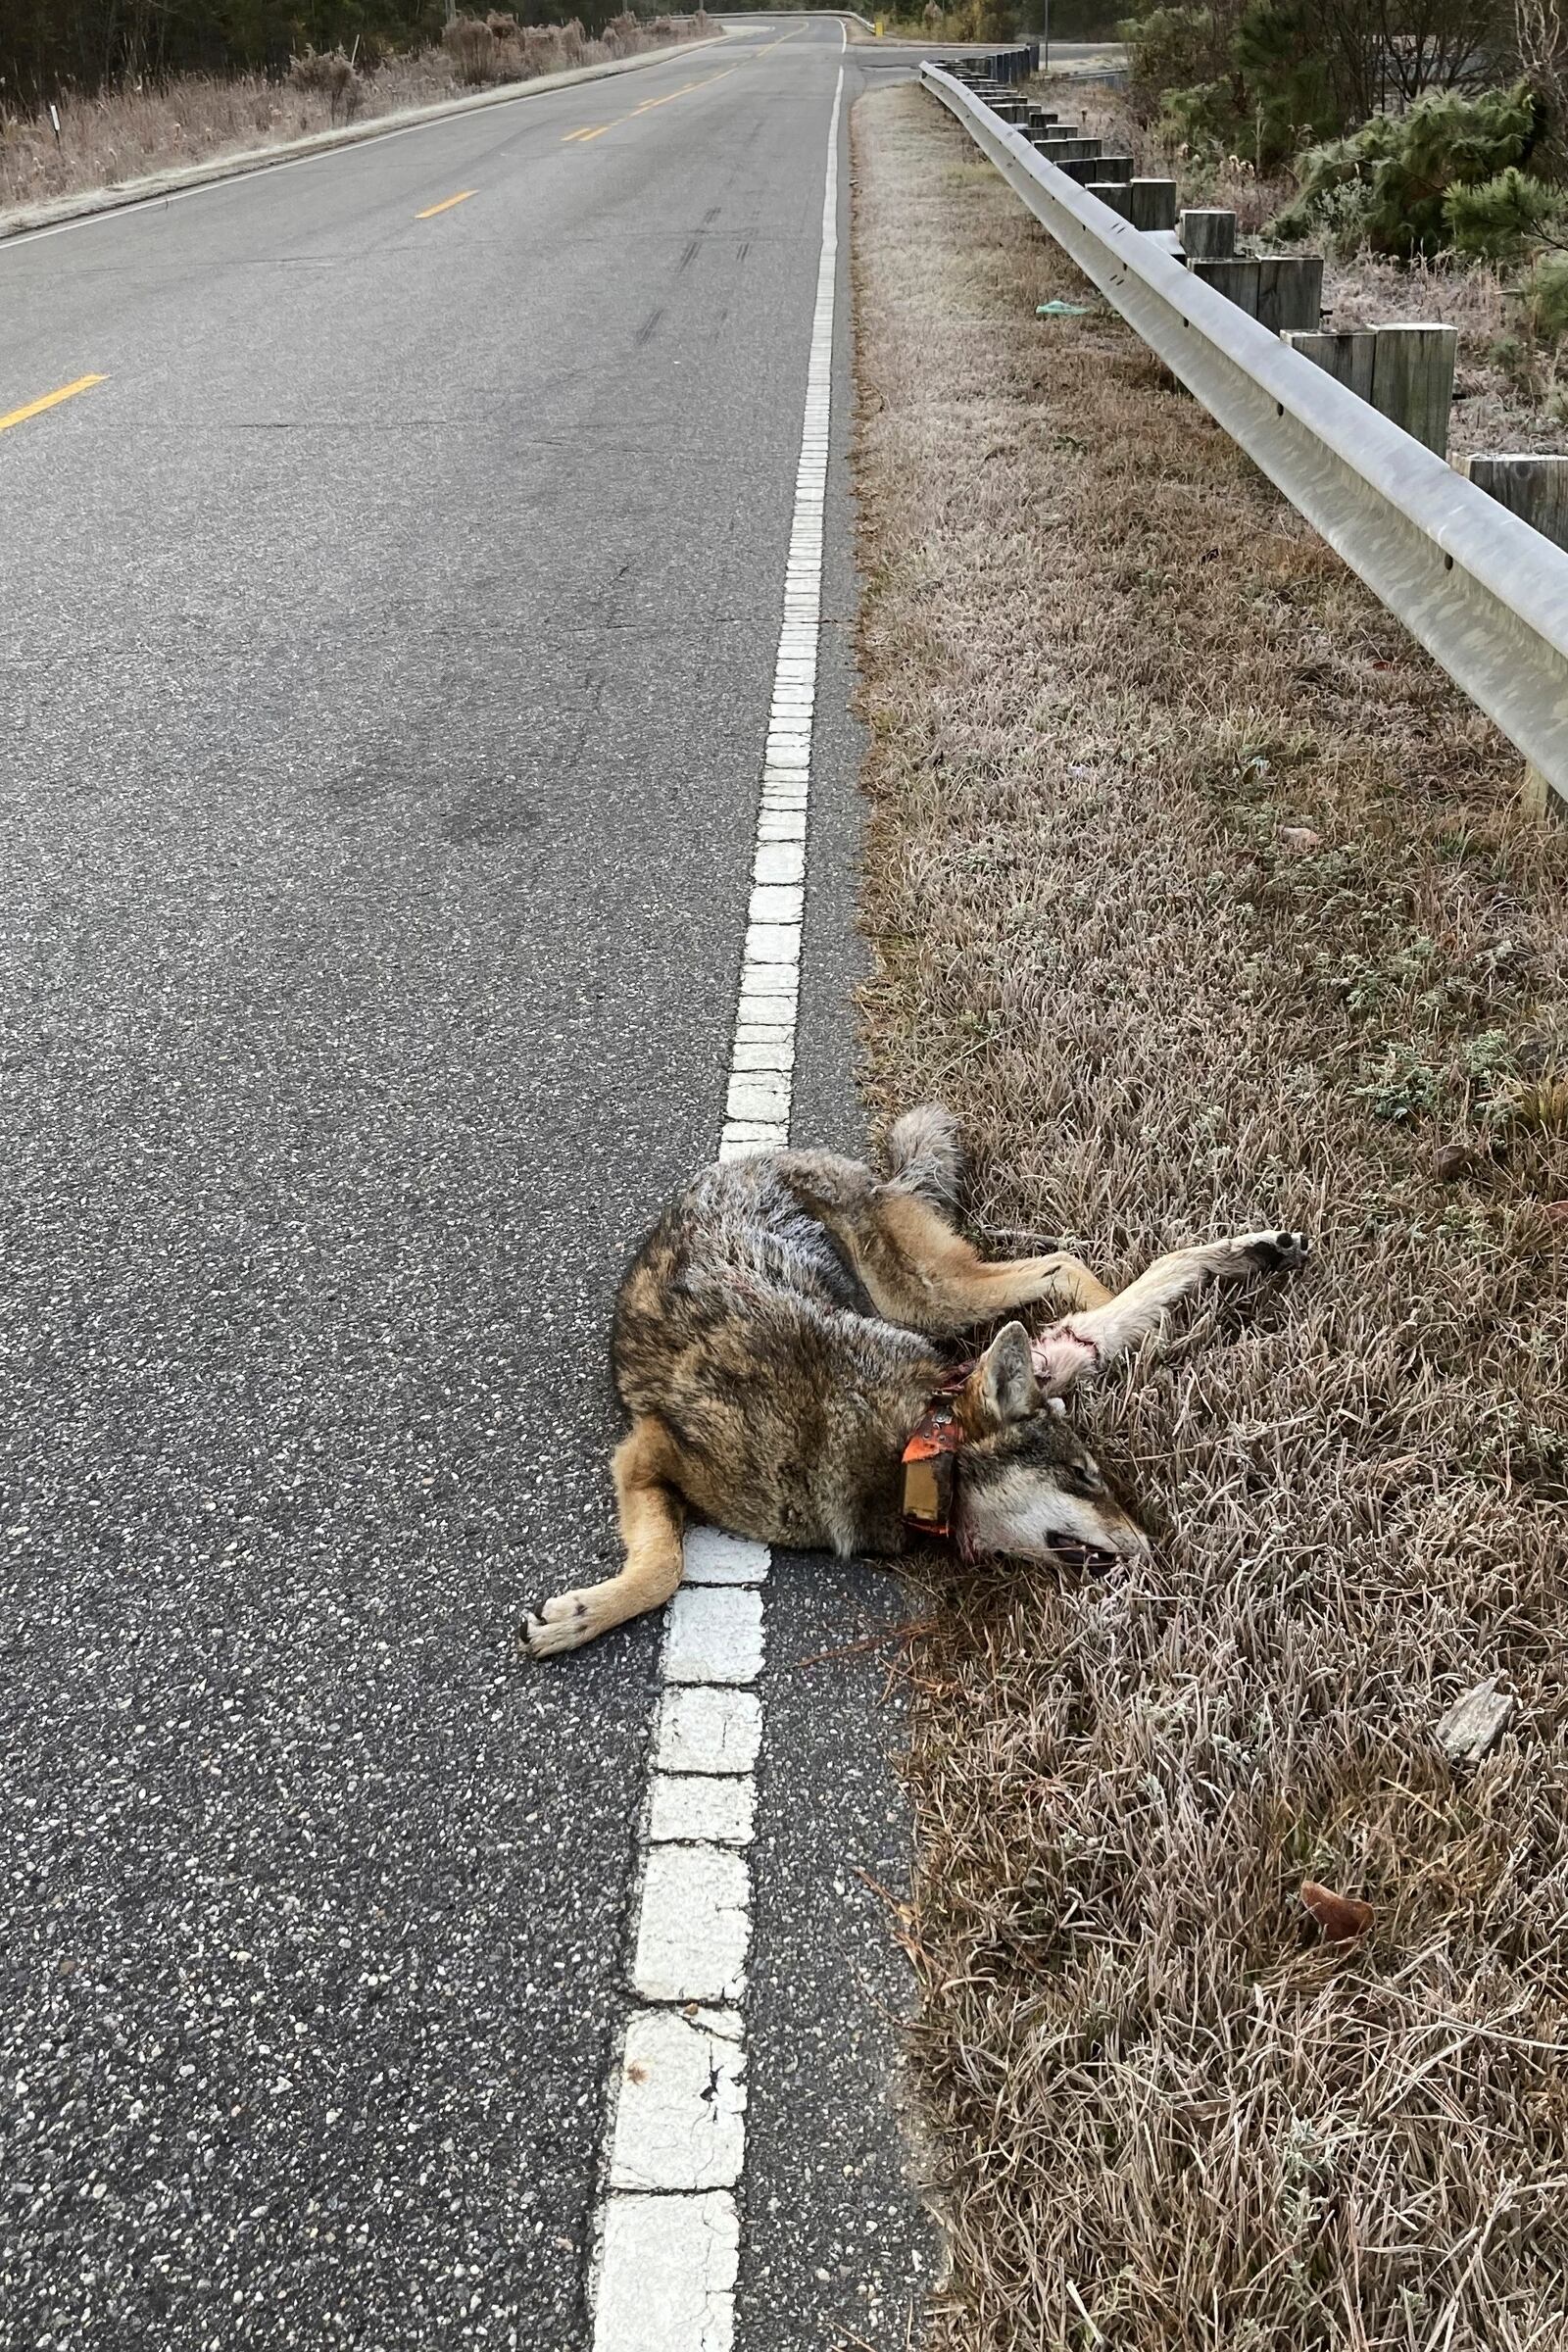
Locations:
(1119, 1538)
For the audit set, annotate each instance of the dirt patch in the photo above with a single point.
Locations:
(1205, 900)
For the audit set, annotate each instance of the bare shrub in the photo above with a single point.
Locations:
(309, 69)
(540, 50)
(472, 46)
(330, 76)
(1541, 35)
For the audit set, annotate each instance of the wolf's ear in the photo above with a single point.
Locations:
(1002, 1388)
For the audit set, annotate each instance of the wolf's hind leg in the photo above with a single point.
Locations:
(922, 1274)
(652, 1516)
(1085, 1341)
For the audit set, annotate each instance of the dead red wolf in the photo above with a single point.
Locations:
(777, 1346)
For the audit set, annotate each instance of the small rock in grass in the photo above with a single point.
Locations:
(1300, 837)
(1342, 1917)
(1451, 1161)
(1474, 1722)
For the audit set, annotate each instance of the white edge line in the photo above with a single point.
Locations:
(666, 2249)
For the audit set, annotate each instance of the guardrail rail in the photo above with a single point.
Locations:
(1485, 594)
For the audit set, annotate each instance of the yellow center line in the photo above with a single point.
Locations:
(669, 94)
(646, 107)
(446, 204)
(50, 400)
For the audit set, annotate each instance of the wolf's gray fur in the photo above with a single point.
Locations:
(776, 1344)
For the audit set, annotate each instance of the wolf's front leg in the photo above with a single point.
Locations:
(652, 1516)
(1081, 1345)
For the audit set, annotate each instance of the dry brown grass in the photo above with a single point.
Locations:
(126, 134)
(1205, 900)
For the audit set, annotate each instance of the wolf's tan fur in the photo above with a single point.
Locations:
(774, 1345)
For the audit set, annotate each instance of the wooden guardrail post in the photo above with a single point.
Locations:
(1290, 291)
(1535, 488)
(1207, 232)
(1346, 356)
(1154, 202)
(1412, 380)
(1406, 371)
(1085, 167)
(1114, 192)
(1237, 280)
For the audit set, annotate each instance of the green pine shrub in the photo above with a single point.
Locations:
(1403, 168)
(1505, 218)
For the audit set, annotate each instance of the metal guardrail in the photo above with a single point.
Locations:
(1486, 595)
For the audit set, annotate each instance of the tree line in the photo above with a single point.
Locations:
(1264, 78)
(52, 46)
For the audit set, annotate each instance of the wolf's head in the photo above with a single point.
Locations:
(1028, 1485)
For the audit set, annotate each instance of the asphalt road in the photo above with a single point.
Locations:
(386, 650)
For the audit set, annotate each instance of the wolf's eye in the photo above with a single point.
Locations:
(1081, 1476)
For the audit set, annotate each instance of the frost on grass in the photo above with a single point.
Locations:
(1205, 901)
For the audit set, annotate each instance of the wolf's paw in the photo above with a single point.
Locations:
(1273, 1252)
(561, 1623)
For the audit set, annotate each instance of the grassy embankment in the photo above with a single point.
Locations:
(1207, 903)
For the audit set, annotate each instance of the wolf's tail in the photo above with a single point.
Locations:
(925, 1157)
